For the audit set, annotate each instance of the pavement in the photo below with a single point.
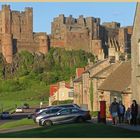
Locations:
(122, 125)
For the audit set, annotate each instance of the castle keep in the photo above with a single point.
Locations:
(88, 34)
(103, 40)
(16, 33)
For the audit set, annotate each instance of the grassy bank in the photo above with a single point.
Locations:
(84, 130)
(14, 124)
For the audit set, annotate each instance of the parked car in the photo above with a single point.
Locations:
(38, 110)
(6, 115)
(45, 113)
(67, 115)
(19, 110)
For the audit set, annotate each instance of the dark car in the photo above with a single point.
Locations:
(67, 115)
(6, 115)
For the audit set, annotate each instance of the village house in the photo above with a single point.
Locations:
(94, 76)
(61, 91)
(135, 56)
(118, 85)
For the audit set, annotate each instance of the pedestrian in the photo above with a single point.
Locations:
(134, 112)
(128, 115)
(121, 112)
(41, 103)
(114, 111)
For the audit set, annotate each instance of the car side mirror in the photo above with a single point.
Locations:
(58, 114)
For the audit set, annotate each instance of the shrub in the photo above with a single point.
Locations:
(62, 102)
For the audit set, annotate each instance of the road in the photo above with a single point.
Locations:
(18, 116)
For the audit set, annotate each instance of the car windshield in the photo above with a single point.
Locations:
(5, 112)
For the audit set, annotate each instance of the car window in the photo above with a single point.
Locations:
(67, 106)
(54, 110)
(74, 110)
(65, 112)
(44, 112)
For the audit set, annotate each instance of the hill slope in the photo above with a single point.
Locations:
(28, 78)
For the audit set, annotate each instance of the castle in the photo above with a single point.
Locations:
(16, 33)
(88, 34)
(106, 40)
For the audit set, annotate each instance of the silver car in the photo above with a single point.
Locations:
(66, 115)
(45, 113)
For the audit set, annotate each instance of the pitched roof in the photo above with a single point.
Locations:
(79, 71)
(119, 80)
(95, 65)
(106, 71)
(53, 89)
(78, 79)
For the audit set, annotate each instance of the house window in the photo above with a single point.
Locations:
(70, 94)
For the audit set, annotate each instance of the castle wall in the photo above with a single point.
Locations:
(7, 47)
(77, 40)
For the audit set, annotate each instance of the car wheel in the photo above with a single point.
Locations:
(48, 123)
(80, 119)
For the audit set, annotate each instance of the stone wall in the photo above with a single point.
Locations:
(135, 55)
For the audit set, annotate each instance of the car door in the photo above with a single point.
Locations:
(61, 116)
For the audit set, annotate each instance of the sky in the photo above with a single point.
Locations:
(44, 12)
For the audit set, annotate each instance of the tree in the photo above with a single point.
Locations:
(91, 95)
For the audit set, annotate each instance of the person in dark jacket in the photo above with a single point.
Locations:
(121, 112)
(134, 112)
(114, 111)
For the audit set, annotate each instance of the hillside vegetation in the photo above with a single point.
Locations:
(28, 78)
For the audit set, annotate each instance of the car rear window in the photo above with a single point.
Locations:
(5, 112)
(74, 110)
(66, 106)
(55, 110)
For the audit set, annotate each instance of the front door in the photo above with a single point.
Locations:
(115, 95)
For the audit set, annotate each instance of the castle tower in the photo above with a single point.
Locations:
(7, 46)
(122, 38)
(29, 21)
(135, 56)
(43, 44)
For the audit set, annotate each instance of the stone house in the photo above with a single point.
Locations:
(117, 84)
(60, 92)
(135, 56)
(96, 73)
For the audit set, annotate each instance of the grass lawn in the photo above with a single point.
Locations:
(31, 95)
(14, 124)
(83, 130)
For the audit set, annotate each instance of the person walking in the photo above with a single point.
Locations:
(134, 112)
(121, 112)
(114, 108)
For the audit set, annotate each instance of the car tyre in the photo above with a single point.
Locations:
(48, 123)
(80, 119)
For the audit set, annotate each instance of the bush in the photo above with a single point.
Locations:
(62, 102)
(94, 113)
